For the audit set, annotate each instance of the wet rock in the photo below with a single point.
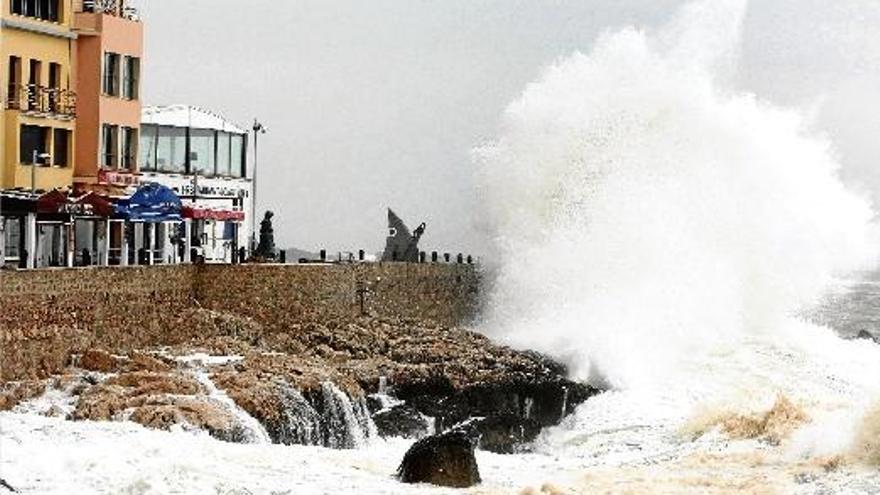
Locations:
(108, 400)
(401, 421)
(506, 433)
(13, 393)
(512, 412)
(449, 374)
(148, 382)
(54, 412)
(98, 360)
(101, 403)
(444, 460)
(376, 403)
(190, 412)
(144, 362)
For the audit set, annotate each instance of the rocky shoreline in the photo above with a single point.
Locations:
(334, 385)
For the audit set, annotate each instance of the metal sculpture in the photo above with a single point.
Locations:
(401, 245)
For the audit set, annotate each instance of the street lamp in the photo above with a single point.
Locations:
(36, 159)
(258, 129)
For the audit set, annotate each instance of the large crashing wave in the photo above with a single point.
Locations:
(644, 212)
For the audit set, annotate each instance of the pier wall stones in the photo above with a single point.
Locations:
(47, 315)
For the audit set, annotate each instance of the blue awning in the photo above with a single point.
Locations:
(150, 203)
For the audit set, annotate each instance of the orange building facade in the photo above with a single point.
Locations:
(109, 48)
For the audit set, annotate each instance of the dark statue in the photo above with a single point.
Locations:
(266, 247)
(401, 245)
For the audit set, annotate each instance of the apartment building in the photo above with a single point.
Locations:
(38, 46)
(109, 50)
(38, 49)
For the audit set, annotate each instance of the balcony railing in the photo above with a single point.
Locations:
(118, 8)
(42, 101)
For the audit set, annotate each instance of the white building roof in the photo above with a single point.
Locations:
(188, 116)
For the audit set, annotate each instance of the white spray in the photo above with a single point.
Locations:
(644, 214)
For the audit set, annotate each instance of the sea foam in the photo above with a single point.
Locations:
(646, 212)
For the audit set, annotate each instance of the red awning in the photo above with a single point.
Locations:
(100, 206)
(52, 202)
(90, 205)
(212, 214)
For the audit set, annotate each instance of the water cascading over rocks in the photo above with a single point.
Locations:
(301, 424)
(248, 430)
(326, 416)
(345, 424)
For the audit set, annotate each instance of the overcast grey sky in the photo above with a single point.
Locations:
(378, 103)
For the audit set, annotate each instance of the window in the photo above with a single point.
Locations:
(14, 82)
(33, 139)
(46, 10)
(109, 145)
(230, 154)
(224, 143)
(171, 149)
(202, 151)
(34, 73)
(54, 86)
(147, 156)
(12, 233)
(110, 83)
(129, 148)
(61, 147)
(131, 70)
(237, 158)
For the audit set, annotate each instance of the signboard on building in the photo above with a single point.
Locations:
(223, 189)
(119, 178)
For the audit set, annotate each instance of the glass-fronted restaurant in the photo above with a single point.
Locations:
(202, 158)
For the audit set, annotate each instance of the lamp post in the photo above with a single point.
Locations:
(36, 158)
(258, 129)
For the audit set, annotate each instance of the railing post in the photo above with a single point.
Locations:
(31, 240)
(187, 242)
(104, 259)
(124, 248)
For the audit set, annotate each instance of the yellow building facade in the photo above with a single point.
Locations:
(38, 59)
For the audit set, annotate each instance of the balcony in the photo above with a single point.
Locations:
(116, 8)
(41, 101)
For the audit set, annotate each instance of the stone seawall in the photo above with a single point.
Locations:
(47, 315)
